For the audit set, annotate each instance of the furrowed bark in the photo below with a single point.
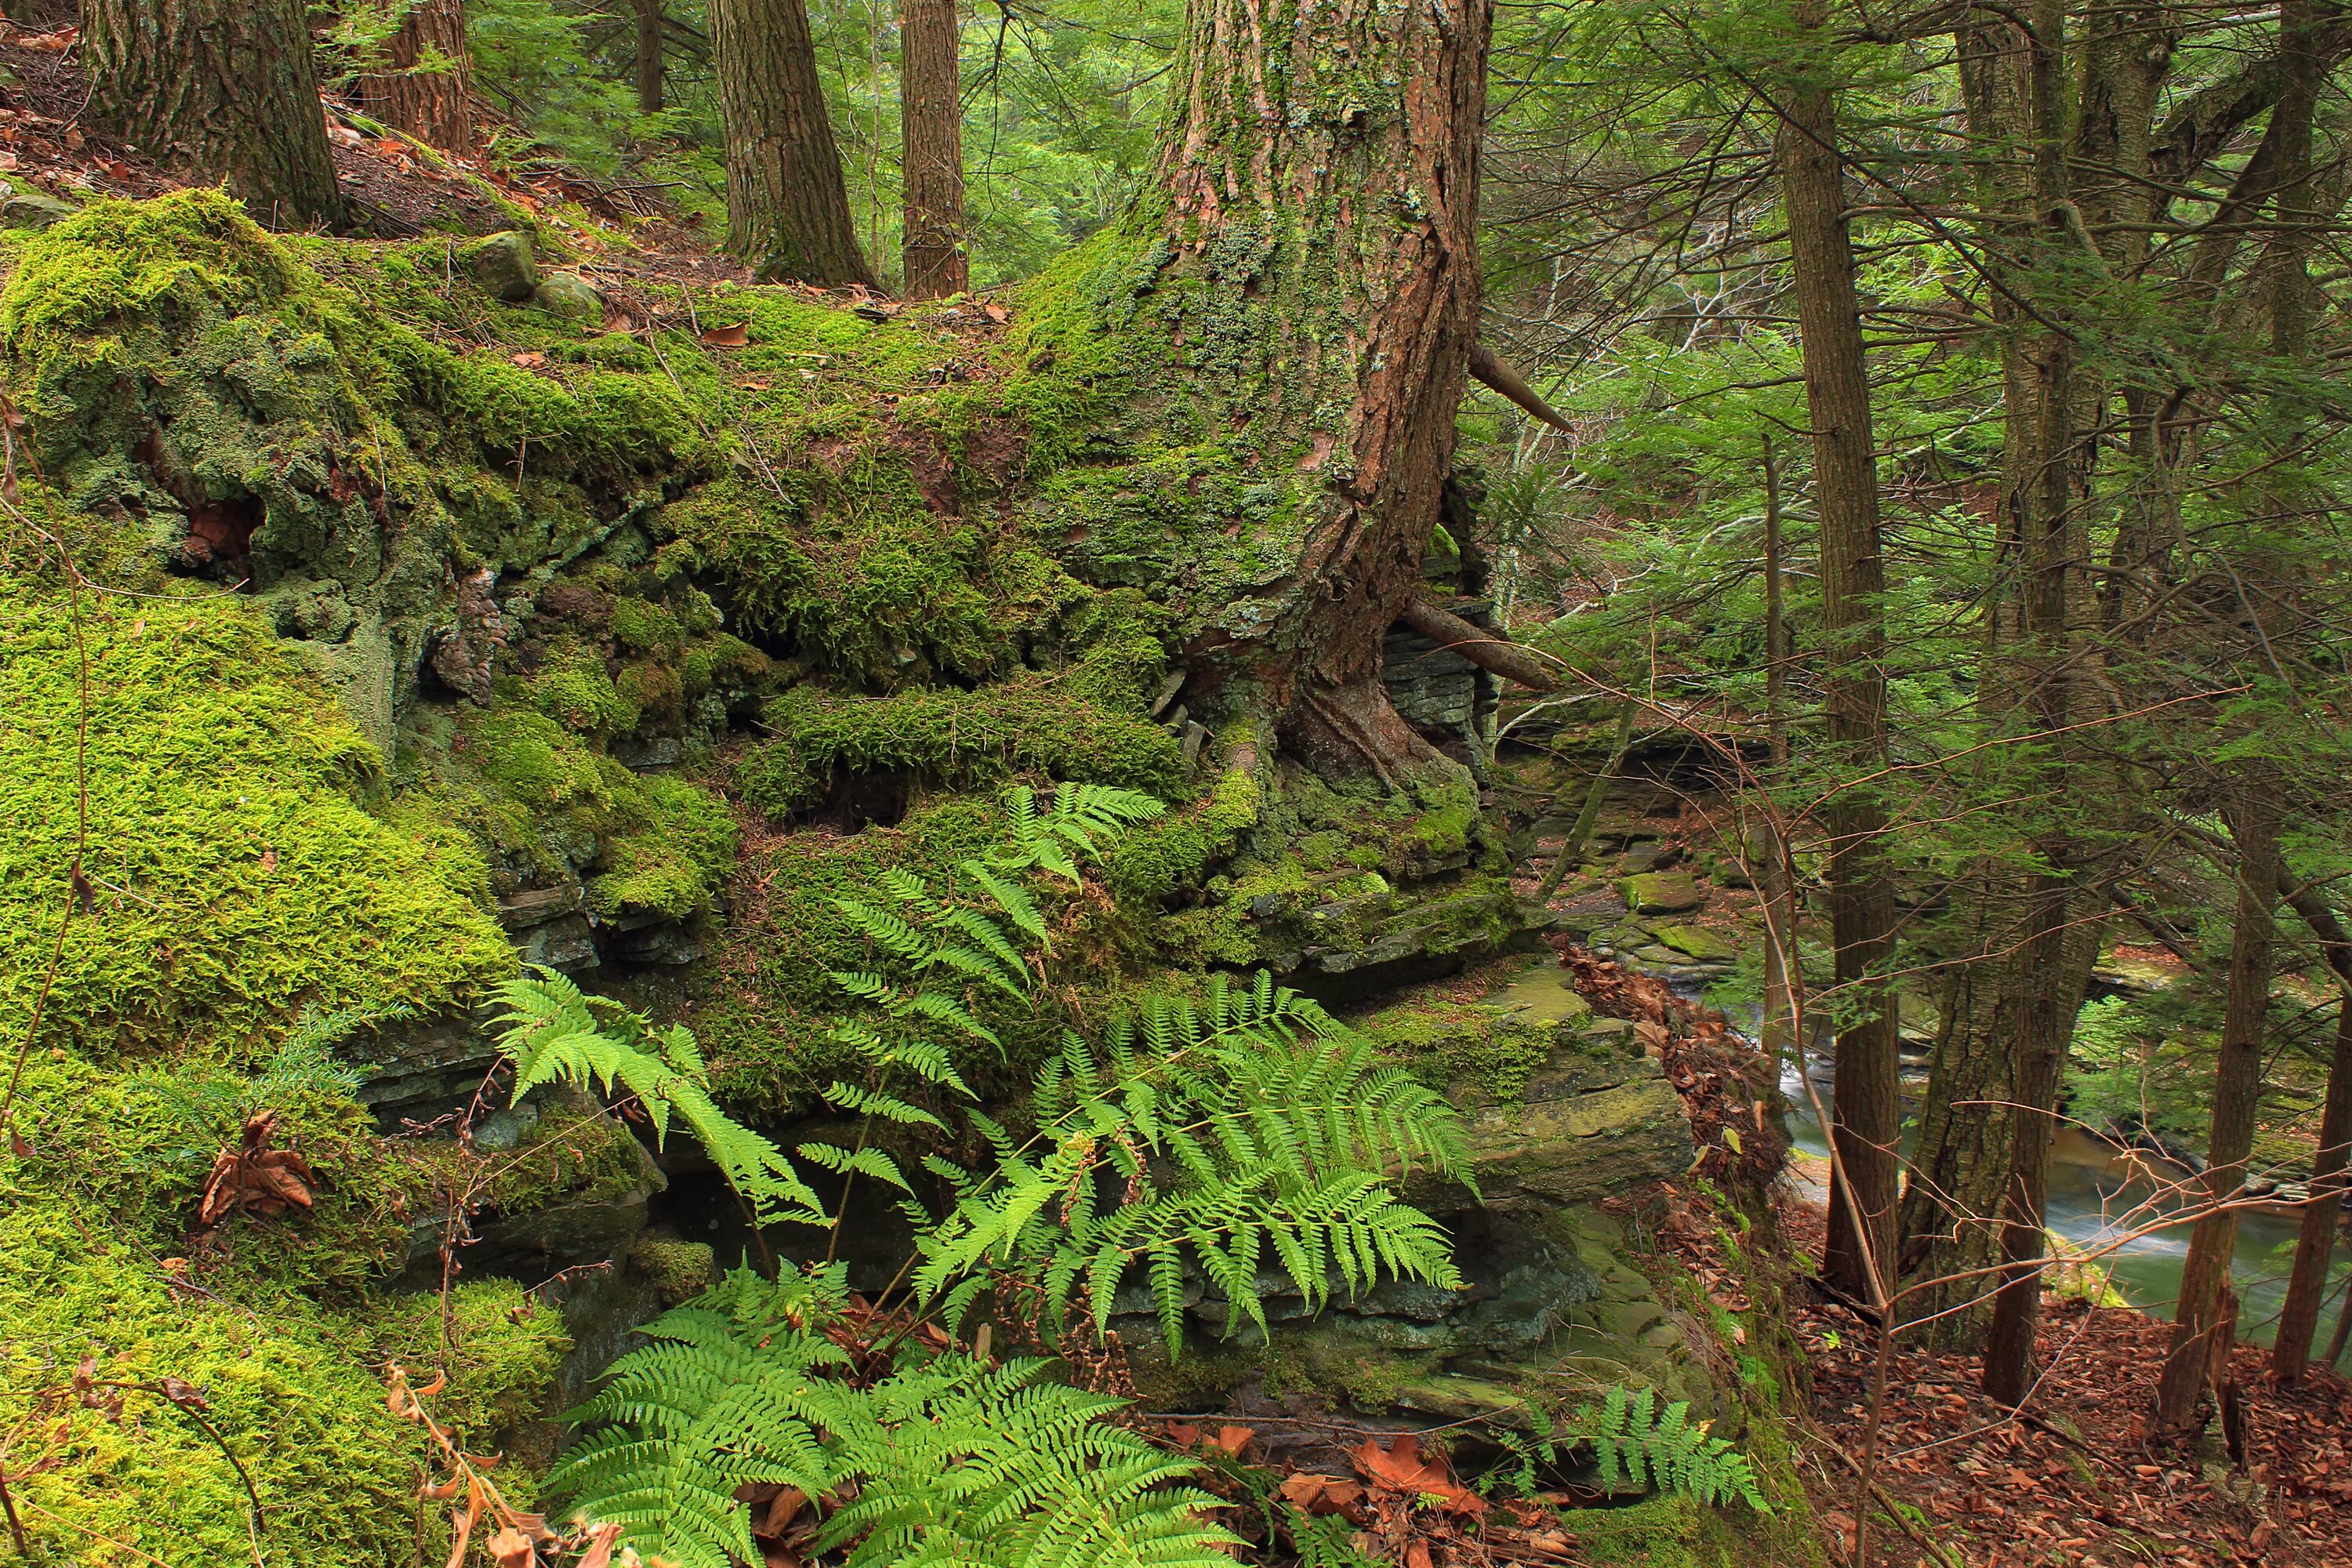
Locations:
(2314, 1244)
(1867, 1106)
(931, 252)
(2045, 473)
(426, 87)
(1316, 211)
(233, 82)
(787, 208)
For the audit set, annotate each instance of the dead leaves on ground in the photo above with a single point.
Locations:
(254, 1178)
(1403, 1503)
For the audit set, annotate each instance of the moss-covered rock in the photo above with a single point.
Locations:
(1031, 725)
(1661, 892)
(234, 876)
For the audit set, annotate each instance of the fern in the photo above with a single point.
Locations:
(945, 1461)
(1635, 1442)
(716, 1402)
(1249, 1125)
(1082, 821)
(553, 1032)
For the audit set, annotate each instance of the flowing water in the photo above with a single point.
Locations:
(2101, 1197)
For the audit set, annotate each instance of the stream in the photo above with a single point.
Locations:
(2097, 1192)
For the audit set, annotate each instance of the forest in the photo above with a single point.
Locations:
(1494, 783)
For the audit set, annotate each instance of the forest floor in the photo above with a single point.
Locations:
(2076, 1481)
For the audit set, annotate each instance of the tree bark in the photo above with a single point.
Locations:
(787, 209)
(225, 89)
(2314, 1244)
(2237, 1086)
(1867, 1106)
(427, 86)
(1270, 349)
(1776, 892)
(931, 77)
(2042, 471)
(650, 23)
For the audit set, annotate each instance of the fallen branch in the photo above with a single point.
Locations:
(1490, 651)
(1489, 372)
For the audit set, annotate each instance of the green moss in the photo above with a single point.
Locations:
(644, 627)
(677, 1269)
(236, 876)
(1030, 724)
(291, 1385)
(1177, 851)
(763, 1028)
(290, 1394)
(498, 1344)
(1451, 1044)
(116, 260)
(572, 688)
(669, 846)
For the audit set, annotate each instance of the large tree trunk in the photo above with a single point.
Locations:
(2044, 473)
(650, 23)
(931, 78)
(233, 82)
(1270, 348)
(427, 86)
(787, 209)
(1867, 1104)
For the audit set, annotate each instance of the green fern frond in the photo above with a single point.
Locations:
(1636, 1444)
(552, 1033)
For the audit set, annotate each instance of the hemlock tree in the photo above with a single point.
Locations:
(1868, 1102)
(932, 252)
(651, 25)
(425, 86)
(233, 82)
(787, 210)
(1275, 337)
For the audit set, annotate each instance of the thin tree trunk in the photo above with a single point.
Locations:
(650, 23)
(2237, 1085)
(1774, 886)
(233, 82)
(2315, 1245)
(931, 249)
(427, 86)
(1580, 835)
(1867, 1103)
(787, 208)
(2040, 489)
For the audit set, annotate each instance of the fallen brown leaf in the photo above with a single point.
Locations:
(256, 1177)
(733, 337)
(1231, 1440)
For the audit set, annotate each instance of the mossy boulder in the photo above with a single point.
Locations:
(32, 208)
(569, 294)
(504, 266)
(236, 874)
(1698, 943)
(1661, 892)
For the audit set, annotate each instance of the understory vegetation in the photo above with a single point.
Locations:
(1341, 786)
